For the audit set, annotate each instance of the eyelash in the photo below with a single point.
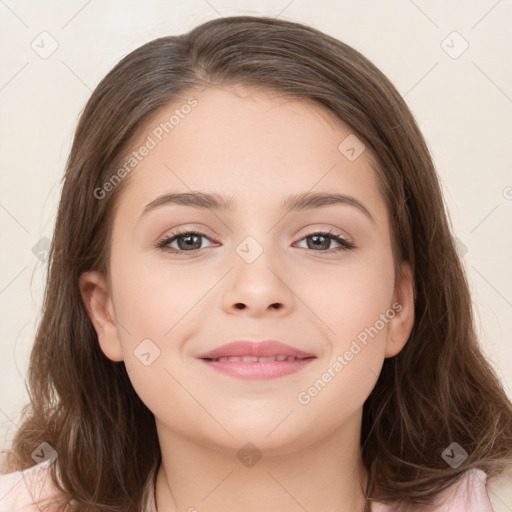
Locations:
(345, 244)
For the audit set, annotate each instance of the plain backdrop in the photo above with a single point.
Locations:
(449, 59)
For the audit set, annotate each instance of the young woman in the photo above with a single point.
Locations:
(254, 298)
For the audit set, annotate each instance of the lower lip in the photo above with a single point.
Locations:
(258, 370)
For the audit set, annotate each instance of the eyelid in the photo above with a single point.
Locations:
(346, 243)
(187, 228)
(330, 231)
(181, 231)
(337, 235)
(208, 233)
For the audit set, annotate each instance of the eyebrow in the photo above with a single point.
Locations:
(213, 201)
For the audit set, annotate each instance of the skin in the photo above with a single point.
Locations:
(259, 148)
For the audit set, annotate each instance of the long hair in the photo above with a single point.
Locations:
(439, 389)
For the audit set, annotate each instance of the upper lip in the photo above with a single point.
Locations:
(267, 348)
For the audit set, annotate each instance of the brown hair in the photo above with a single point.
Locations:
(438, 389)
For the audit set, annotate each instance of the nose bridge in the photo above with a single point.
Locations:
(256, 233)
(256, 254)
(258, 279)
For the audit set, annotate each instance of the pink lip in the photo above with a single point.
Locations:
(248, 348)
(256, 370)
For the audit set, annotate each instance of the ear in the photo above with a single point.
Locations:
(99, 306)
(400, 326)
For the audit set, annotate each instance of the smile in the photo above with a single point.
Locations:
(258, 368)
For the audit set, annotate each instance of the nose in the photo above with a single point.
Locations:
(258, 287)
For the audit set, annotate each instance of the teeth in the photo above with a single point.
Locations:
(254, 359)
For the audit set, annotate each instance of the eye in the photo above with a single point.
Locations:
(319, 240)
(188, 241)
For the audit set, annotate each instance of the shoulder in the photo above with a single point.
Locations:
(20, 489)
(471, 493)
(499, 489)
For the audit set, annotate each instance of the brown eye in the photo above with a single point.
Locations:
(187, 241)
(320, 241)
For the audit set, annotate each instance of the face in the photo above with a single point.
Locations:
(318, 278)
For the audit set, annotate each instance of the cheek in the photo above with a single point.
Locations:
(158, 312)
(153, 302)
(352, 296)
(353, 308)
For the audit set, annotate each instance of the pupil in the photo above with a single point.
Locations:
(317, 242)
(189, 240)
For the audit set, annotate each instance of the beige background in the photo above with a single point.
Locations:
(461, 100)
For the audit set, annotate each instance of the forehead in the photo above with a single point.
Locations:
(248, 143)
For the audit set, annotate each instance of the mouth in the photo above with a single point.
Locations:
(258, 368)
(255, 359)
(263, 360)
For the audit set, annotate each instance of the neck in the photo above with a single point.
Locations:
(325, 475)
